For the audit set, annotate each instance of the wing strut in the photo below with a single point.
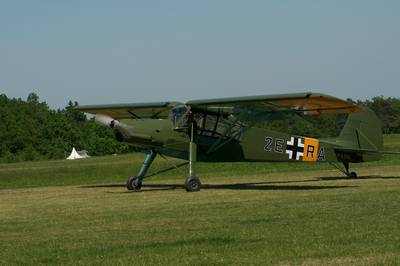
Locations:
(134, 115)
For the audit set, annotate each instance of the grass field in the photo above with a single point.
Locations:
(79, 213)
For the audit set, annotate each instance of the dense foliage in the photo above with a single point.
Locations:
(30, 130)
(388, 111)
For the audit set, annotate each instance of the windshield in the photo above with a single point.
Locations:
(180, 117)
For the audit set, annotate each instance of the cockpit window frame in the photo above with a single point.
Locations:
(216, 131)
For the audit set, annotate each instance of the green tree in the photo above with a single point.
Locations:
(388, 111)
(30, 130)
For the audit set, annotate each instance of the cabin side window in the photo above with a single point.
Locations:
(217, 126)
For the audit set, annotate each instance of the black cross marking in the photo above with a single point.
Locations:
(294, 149)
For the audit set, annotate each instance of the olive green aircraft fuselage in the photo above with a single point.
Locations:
(254, 145)
(225, 130)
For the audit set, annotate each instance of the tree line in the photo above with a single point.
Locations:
(30, 130)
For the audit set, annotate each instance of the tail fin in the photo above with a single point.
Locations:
(362, 131)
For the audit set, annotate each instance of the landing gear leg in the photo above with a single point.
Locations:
(350, 175)
(135, 182)
(192, 183)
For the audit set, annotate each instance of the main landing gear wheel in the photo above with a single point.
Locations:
(133, 184)
(192, 184)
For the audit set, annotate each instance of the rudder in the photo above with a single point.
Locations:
(362, 131)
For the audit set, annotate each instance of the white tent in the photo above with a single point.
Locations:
(77, 154)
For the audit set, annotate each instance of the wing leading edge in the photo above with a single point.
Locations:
(307, 103)
(154, 110)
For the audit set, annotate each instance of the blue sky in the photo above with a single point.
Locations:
(133, 51)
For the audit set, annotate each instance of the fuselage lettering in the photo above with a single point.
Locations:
(321, 154)
(279, 145)
(274, 144)
(297, 148)
(310, 151)
(268, 145)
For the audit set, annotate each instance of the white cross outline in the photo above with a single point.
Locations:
(291, 143)
(301, 145)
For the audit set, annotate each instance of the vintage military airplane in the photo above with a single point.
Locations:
(224, 130)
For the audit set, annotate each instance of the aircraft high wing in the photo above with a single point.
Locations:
(306, 103)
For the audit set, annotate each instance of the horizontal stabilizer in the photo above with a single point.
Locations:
(390, 152)
(346, 150)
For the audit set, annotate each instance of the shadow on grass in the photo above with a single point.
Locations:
(357, 178)
(267, 186)
(274, 185)
(211, 241)
(270, 185)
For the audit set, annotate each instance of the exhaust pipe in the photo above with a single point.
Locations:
(106, 121)
(112, 123)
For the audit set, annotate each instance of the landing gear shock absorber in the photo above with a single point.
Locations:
(135, 182)
(192, 183)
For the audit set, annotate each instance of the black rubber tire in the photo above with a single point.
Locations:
(192, 184)
(138, 185)
(130, 184)
(353, 175)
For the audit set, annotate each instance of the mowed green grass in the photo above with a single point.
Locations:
(79, 213)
